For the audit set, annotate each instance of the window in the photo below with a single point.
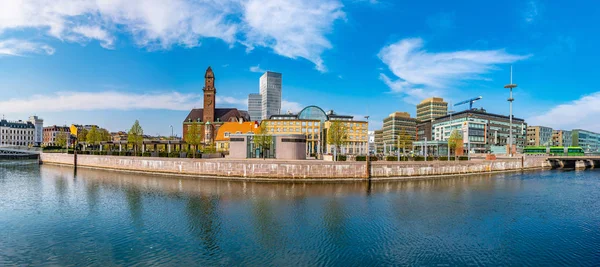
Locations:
(226, 134)
(303, 123)
(238, 132)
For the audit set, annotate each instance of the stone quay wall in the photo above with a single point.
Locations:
(290, 169)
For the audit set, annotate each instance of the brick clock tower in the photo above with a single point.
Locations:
(209, 96)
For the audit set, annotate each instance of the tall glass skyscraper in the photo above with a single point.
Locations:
(270, 90)
(255, 107)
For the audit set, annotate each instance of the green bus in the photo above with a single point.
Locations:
(554, 151)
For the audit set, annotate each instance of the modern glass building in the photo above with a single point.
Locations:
(562, 138)
(431, 108)
(255, 107)
(378, 141)
(270, 91)
(589, 141)
(487, 132)
(395, 124)
(539, 136)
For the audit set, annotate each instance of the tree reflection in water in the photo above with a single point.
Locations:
(204, 221)
(265, 223)
(134, 202)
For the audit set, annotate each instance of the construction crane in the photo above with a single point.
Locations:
(470, 101)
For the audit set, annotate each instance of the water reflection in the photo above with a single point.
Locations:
(133, 196)
(116, 218)
(265, 223)
(204, 221)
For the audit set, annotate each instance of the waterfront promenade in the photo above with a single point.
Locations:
(258, 169)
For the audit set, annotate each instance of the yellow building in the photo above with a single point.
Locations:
(282, 124)
(228, 128)
(313, 122)
(357, 142)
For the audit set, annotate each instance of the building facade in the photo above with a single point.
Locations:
(587, 140)
(357, 141)
(562, 138)
(487, 132)
(270, 91)
(38, 123)
(207, 120)
(431, 108)
(371, 138)
(51, 132)
(227, 129)
(283, 146)
(378, 141)
(314, 123)
(255, 107)
(17, 133)
(424, 131)
(395, 124)
(539, 136)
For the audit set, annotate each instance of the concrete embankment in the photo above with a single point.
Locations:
(293, 170)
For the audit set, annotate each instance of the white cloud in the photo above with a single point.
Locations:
(78, 101)
(421, 73)
(582, 113)
(294, 107)
(111, 100)
(532, 11)
(256, 69)
(231, 101)
(15, 47)
(291, 28)
(95, 32)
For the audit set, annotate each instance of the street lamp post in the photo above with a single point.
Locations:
(169, 140)
(510, 100)
(449, 127)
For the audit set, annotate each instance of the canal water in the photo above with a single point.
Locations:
(48, 216)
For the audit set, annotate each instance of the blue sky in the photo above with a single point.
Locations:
(112, 62)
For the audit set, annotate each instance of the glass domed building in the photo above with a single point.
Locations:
(313, 113)
(314, 122)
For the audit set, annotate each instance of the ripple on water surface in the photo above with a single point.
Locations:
(48, 216)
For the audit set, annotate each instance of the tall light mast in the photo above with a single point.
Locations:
(510, 86)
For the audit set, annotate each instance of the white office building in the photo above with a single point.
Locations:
(255, 107)
(38, 136)
(17, 133)
(270, 91)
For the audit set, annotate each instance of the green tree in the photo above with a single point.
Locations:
(61, 139)
(337, 135)
(405, 141)
(192, 136)
(455, 142)
(135, 135)
(263, 139)
(93, 136)
(104, 135)
(82, 135)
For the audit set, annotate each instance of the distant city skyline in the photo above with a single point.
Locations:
(112, 63)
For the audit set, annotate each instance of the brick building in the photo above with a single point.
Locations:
(208, 119)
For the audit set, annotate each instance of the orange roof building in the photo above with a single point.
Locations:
(228, 128)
